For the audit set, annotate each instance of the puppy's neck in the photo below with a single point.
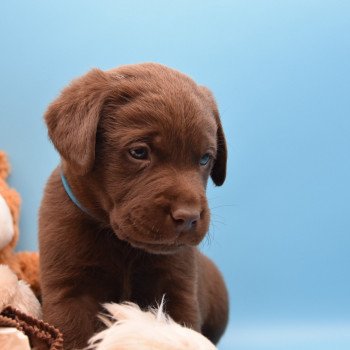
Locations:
(70, 193)
(83, 194)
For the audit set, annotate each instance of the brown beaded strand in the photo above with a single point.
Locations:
(49, 337)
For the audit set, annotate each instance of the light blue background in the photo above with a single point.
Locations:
(281, 73)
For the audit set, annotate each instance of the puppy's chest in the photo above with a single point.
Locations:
(126, 282)
(124, 276)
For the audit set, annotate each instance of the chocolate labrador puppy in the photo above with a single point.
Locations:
(123, 213)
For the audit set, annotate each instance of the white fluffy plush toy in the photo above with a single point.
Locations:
(17, 294)
(130, 328)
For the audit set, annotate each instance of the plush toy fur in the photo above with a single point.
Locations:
(131, 328)
(17, 294)
(24, 264)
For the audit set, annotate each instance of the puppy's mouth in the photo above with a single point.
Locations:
(156, 248)
(135, 234)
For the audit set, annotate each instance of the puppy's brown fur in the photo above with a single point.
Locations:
(146, 215)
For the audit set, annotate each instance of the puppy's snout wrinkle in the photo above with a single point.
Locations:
(185, 218)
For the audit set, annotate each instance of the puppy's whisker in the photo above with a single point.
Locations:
(218, 222)
(217, 215)
(208, 239)
(223, 206)
(212, 198)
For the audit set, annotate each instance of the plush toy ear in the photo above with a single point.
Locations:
(73, 117)
(218, 173)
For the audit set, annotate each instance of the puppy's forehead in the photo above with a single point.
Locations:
(176, 116)
(164, 101)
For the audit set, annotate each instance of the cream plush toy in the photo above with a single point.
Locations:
(21, 327)
(17, 294)
(130, 328)
(24, 264)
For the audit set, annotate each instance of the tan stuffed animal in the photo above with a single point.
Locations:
(24, 264)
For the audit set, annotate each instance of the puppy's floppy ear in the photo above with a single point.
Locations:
(73, 117)
(218, 173)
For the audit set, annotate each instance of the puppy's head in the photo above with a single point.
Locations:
(145, 139)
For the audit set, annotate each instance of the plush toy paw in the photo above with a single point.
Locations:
(131, 328)
(17, 294)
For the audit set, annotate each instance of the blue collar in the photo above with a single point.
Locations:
(71, 194)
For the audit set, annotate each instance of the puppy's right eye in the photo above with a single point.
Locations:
(140, 153)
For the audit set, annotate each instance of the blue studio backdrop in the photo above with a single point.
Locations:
(280, 71)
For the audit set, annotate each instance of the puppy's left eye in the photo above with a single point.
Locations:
(139, 153)
(205, 159)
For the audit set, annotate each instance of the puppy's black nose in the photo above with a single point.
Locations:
(185, 218)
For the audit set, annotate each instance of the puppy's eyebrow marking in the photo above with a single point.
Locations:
(157, 139)
(212, 149)
(139, 137)
(146, 139)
